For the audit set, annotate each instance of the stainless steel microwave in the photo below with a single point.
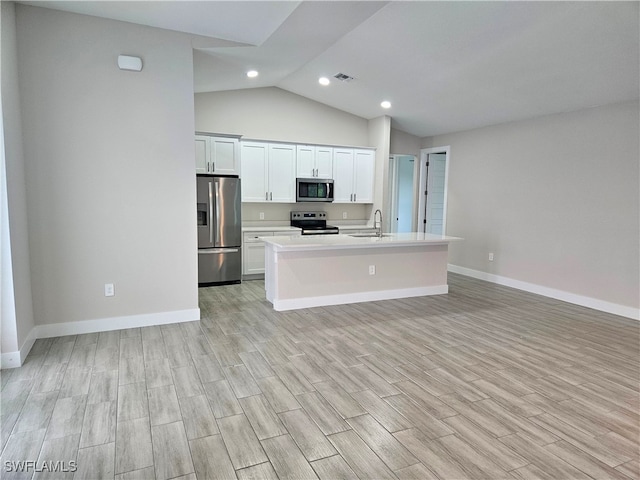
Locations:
(314, 190)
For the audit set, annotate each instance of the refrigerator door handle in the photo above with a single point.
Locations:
(210, 214)
(218, 250)
(217, 213)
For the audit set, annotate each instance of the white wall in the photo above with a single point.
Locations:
(274, 114)
(380, 137)
(556, 198)
(109, 161)
(403, 143)
(17, 307)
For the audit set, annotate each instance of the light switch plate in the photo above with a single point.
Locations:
(109, 290)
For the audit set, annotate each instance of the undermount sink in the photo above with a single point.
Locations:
(367, 235)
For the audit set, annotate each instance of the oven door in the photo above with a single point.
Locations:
(314, 190)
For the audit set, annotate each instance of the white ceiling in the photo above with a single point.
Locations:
(445, 66)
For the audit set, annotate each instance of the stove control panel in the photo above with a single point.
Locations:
(308, 215)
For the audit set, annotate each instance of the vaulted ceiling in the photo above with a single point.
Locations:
(444, 66)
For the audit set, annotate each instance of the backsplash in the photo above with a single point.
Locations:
(278, 213)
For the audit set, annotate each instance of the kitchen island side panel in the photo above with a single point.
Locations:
(327, 273)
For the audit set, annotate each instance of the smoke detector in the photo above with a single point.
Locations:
(343, 77)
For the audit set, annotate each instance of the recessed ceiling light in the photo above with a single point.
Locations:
(385, 104)
(252, 73)
(324, 81)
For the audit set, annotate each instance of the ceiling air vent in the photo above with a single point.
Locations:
(343, 77)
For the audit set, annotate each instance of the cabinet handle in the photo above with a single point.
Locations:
(271, 196)
(213, 167)
(266, 196)
(354, 197)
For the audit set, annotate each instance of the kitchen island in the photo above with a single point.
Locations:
(318, 270)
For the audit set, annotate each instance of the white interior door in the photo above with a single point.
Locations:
(435, 198)
(405, 193)
(432, 194)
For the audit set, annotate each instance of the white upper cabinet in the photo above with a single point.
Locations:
(203, 154)
(219, 155)
(225, 155)
(305, 161)
(254, 174)
(282, 173)
(364, 162)
(342, 175)
(268, 172)
(314, 161)
(353, 175)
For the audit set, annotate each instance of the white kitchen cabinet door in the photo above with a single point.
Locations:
(305, 161)
(217, 155)
(364, 172)
(225, 156)
(342, 175)
(253, 253)
(203, 154)
(254, 168)
(282, 173)
(324, 162)
(253, 263)
(314, 161)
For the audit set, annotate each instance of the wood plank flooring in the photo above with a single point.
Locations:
(486, 382)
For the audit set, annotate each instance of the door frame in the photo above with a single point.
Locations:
(422, 198)
(393, 193)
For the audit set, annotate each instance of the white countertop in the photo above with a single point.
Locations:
(281, 228)
(287, 228)
(298, 243)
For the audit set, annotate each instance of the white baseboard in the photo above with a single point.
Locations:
(116, 323)
(589, 302)
(341, 299)
(15, 359)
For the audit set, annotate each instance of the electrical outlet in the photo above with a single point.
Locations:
(109, 290)
(344, 215)
(491, 257)
(261, 215)
(372, 269)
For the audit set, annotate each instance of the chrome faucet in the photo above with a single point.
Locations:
(377, 225)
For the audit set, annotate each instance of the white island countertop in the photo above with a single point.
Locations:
(298, 243)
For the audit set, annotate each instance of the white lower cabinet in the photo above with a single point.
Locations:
(253, 253)
(253, 250)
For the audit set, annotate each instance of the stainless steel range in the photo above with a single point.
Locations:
(313, 223)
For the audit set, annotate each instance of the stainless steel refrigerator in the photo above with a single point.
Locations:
(219, 230)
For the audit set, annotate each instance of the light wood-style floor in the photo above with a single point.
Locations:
(485, 382)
